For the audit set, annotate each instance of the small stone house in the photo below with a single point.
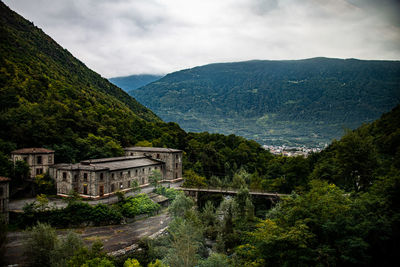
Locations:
(38, 159)
(4, 197)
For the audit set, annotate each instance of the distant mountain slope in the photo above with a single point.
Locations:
(48, 97)
(132, 82)
(296, 101)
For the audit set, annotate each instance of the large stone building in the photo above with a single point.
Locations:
(38, 159)
(4, 197)
(171, 157)
(102, 177)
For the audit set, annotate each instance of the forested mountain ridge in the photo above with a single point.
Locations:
(132, 82)
(50, 99)
(297, 100)
(47, 96)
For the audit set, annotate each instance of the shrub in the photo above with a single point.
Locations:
(140, 204)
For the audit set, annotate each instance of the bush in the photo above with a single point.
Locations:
(140, 204)
(170, 193)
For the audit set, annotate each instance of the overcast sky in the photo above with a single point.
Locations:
(123, 37)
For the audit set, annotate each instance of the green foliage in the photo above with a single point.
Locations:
(45, 184)
(95, 256)
(155, 178)
(170, 193)
(98, 262)
(139, 204)
(157, 263)
(186, 240)
(75, 214)
(135, 186)
(215, 260)
(193, 180)
(44, 248)
(276, 102)
(325, 226)
(181, 205)
(131, 263)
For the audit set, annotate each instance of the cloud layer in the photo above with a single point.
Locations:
(122, 37)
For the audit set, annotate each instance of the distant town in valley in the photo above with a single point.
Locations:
(291, 151)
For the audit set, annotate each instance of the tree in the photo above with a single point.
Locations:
(40, 244)
(215, 260)
(155, 178)
(193, 180)
(185, 242)
(131, 263)
(157, 263)
(135, 186)
(181, 205)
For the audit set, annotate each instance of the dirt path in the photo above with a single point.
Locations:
(114, 237)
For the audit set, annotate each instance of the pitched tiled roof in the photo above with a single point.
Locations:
(4, 179)
(32, 150)
(151, 149)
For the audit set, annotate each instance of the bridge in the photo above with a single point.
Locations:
(230, 191)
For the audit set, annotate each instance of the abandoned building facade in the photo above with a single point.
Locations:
(38, 159)
(102, 177)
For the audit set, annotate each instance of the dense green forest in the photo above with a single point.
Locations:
(132, 82)
(275, 102)
(351, 219)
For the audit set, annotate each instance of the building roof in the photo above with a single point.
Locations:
(111, 164)
(32, 150)
(103, 160)
(127, 164)
(157, 198)
(4, 179)
(151, 149)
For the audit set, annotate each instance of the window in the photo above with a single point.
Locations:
(25, 159)
(176, 156)
(76, 179)
(85, 177)
(64, 176)
(120, 174)
(158, 156)
(129, 183)
(129, 173)
(156, 167)
(121, 185)
(136, 172)
(176, 165)
(1, 191)
(50, 159)
(131, 154)
(39, 160)
(112, 188)
(112, 176)
(39, 171)
(149, 169)
(101, 176)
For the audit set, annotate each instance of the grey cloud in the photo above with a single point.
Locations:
(152, 36)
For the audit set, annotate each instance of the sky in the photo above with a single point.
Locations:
(124, 37)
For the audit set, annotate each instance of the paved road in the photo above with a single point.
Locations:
(114, 237)
(59, 203)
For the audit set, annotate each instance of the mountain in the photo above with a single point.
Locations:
(306, 101)
(132, 82)
(48, 97)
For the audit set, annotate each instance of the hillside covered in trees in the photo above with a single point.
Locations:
(276, 102)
